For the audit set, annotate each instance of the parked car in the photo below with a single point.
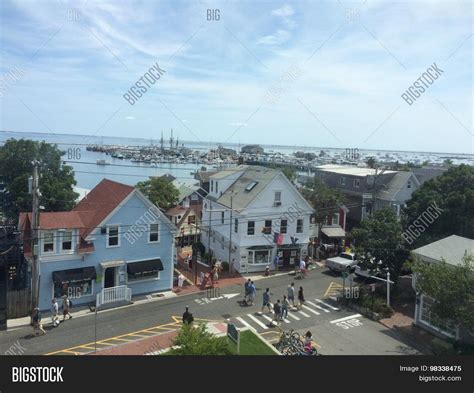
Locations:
(343, 263)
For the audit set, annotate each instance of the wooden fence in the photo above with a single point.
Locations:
(18, 303)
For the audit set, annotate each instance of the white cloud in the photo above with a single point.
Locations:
(129, 118)
(280, 37)
(286, 10)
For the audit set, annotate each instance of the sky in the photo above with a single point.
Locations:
(313, 73)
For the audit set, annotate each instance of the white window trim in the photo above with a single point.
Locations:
(302, 226)
(253, 258)
(149, 233)
(338, 217)
(275, 194)
(73, 244)
(145, 280)
(254, 229)
(107, 235)
(427, 323)
(342, 180)
(43, 243)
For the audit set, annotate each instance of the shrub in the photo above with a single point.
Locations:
(442, 347)
(225, 266)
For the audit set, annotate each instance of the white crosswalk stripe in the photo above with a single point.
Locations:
(327, 305)
(293, 316)
(267, 318)
(318, 307)
(244, 322)
(303, 313)
(311, 310)
(257, 321)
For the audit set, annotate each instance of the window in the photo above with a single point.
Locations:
(267, 229)
(312, 219)
(66, 242)
(191, 220)
(283, 226)
(194, 197)
(154, 233)
(335, 219)
(299, 225)
(426, 316)
(222, 217)
(236, 225)
(251, 228)
(73, 289)
(212, 185)
(260, 257)
(113, 239)
(217, 186)
(48, 242)
(222, 242)
(342, 181)
(139, 271)
(409, 184)
(356, 183)
(251, 186)
(277, 200)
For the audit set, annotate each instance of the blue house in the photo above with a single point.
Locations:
(113, 245)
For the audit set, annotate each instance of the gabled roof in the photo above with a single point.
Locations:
(241, 198)
(452, 249)
(100, 202)
(56, 220)
(174, 211)
(396, 183)
(227, 172)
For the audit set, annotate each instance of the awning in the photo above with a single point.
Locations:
(72, 275)
(145, 266)
(264, 247)
(105, 265)
(289, 247)
(334, 232)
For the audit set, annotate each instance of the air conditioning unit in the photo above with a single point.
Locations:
(277, 203)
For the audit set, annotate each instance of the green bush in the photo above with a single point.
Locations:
(225, 266)
(442, 347)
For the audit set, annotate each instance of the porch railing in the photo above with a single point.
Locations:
(114, 294)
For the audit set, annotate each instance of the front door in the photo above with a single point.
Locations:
(109, 277)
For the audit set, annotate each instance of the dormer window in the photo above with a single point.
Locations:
(66, 241)
(48, 242)
(409, 184)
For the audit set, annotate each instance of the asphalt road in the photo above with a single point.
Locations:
(353, 335)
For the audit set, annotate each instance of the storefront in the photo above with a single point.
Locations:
(332, 240)
(258, 257)
(75, 283)
(144, 270)
(289, 255)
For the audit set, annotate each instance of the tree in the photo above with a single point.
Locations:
(371, 162)
(378, 243)
(451, 287)
(160, 191)
(290, 173)
(196, 340)
(325, 200)
(56, 180)
(453, 194)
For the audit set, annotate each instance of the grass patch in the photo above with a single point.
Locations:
(250, 344)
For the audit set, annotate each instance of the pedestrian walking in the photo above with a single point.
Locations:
(252, 293)
(190, 261)
(54, 312)
(180, 281)
(246, 290)
(66, 308)
(276, 262)
(285, 305)
(266, 301)
(301, 298)
(277, 311)
(187, 316)
(291, 293)
(37, 324)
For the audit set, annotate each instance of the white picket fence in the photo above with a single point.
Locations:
(114, 294)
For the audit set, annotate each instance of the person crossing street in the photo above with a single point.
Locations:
(266, 301)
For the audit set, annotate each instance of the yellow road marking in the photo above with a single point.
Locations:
(333, 288)
(153, 331)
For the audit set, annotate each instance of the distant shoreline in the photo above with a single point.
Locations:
(146, 141)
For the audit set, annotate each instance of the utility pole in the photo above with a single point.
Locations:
(209, 235)
(230, 234)
(34, 237)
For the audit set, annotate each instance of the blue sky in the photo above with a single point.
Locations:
(321, 73)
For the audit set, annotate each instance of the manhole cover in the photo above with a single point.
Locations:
(226, 316)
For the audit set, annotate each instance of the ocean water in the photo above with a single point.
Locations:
(88, 173)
